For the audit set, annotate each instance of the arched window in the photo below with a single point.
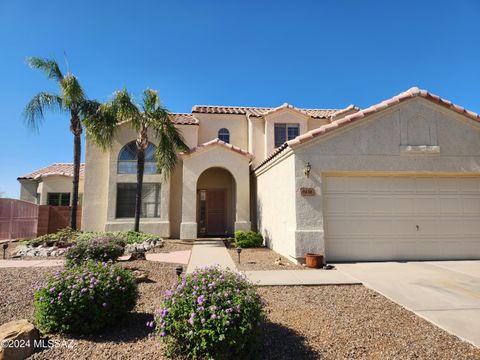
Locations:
(224, 135)
(127, 159)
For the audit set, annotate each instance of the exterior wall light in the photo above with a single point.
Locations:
(307, 169)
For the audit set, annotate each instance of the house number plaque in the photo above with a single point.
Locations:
(307, 191)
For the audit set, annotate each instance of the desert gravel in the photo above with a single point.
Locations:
(316, 322)
(263, 258)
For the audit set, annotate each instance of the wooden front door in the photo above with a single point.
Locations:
(216, 205)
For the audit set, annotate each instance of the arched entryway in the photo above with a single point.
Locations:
(216, 200)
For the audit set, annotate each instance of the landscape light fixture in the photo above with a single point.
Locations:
(239, 251)
(307, 169)
(179, 270)
(4, 246)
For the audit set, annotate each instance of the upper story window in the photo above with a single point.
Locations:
(127, 159)
(285, 132)
(224, 135)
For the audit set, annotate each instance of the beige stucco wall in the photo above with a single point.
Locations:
(28, 190)
(286, 116)
(212, 157)
(275, 206)
(211, 123)
(57, 184)
(376, 144)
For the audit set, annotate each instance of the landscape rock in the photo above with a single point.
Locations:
(137, 255)
(145, 246)
(21, 333)
(140, 276)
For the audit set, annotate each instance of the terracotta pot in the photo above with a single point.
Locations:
(314, 260)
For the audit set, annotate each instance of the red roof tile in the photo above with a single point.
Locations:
(218, 142)
(184, 119)
(261, 111)
(58, 169)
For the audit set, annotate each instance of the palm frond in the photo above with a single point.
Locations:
(150, 100)
(171, 141)
(48, 66)
(72, 93)
(123, 106)
(102, 126)
(34, 111)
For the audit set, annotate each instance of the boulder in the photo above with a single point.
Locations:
(137, 255)
(18, 339)
(140, 276)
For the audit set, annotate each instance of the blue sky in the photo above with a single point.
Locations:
(252, 53)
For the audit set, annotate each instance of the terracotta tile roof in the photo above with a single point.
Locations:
(261, 111)
(404, 96)
(185, 119)
(218, 142)
(59, 169)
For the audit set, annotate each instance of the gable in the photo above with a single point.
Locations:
(412, 127)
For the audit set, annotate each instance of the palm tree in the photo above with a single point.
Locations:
(150, 114)
(72, 100)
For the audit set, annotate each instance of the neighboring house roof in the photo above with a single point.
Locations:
(362, 114)
(260, 111)
(184, 119)
(58, 169)
(218, 142)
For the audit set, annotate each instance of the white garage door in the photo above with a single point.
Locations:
(401, 218)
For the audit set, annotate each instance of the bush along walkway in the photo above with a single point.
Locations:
(207, 252)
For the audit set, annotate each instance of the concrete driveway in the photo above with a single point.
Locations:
(446, 293)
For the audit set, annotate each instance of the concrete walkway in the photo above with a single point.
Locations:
(446, 293)
(300, 277)
(206, 252)
(29, 263)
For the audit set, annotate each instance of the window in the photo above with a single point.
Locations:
(224, 135)
(126, 200)
(58, 199)
(37, 199)
(285, 132)
(127, 159)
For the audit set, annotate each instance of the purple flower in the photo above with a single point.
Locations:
(104, 305)
(214, 316)
(162, 334)
(213, 308)
(200, 299)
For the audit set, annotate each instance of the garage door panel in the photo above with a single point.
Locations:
(376, 218)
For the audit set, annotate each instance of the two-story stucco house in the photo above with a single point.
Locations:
(398, 180)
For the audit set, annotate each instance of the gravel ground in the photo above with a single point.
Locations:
(262, 259)
(324, 322)
(351, 322)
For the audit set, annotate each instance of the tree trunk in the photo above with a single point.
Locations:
(76, 129)
(142, 143)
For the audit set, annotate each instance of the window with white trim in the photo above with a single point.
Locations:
(224, 135)
(285, 132)
(128, 156)
(126, 193)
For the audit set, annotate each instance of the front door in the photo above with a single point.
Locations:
(213, 212)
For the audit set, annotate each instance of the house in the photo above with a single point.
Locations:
(399, 180)
(51, 185)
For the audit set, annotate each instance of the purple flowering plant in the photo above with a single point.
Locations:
(103, 248)
(210, 313)
(83, 299)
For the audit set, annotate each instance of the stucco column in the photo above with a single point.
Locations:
(188, 227)
(242, 208)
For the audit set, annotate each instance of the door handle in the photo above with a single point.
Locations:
(418, 227)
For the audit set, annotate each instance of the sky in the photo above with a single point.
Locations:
(324, 54)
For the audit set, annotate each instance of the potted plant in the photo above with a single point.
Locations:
(314, 260)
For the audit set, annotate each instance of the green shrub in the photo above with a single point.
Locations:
(62, 237)
(248, 239)
(84, 299)
(101, 249)
(210, 313)
(68, 236)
